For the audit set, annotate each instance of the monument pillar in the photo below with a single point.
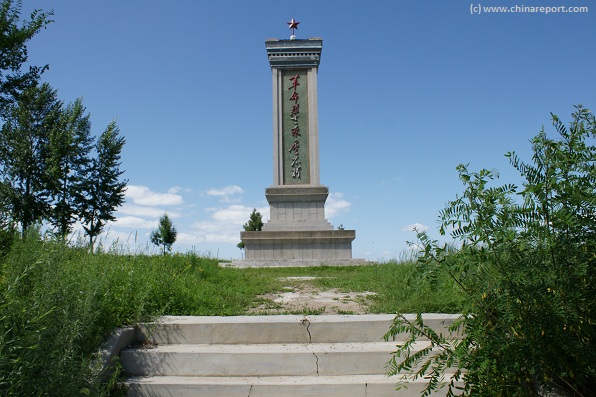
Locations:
(297, 233)
(296, 198)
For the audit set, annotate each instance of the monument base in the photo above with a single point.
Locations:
(297, 248)
(297, 208)
(243, 263)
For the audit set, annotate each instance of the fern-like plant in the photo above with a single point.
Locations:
(526, 261)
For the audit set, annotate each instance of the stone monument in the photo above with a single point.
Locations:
(297, 233)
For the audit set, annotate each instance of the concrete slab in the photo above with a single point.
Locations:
(261, 360)
(278, 328)
(272, 386)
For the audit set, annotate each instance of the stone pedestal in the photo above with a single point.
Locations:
(297, 233)
(298, 248)
(297, 208)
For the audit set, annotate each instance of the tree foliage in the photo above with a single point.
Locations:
(254, 224)
(13, 50)
(103, 190)
(52, 170)
(25, 154)
(70, 146)
(165, 234)
(526, 260)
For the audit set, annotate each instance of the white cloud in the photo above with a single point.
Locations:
(143, 207)
(336, 204)
(134, 222)
(227, 193)
(139, 210)
(415, 227)
(233, 214)
(223, 226)
(209, 233)
(146, 212)
(142, 195)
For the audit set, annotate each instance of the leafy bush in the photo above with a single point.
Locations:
(526, 262)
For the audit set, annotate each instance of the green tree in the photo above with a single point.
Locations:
(13, 50)
(70, 146)
(526, 260)
(46, 170)
(25, 154)
(102, 191)
(255, 223)
(165, 234)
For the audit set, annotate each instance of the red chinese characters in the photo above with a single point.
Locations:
(294, 80)
(294, 114)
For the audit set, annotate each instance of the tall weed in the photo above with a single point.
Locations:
(59, 303)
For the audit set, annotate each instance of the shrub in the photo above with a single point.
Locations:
(526, 262)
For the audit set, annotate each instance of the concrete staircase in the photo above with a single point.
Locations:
(287, 355)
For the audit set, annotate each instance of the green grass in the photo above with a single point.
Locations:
(393, 283)
(59, 303)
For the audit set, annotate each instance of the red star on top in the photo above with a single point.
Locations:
(293, 25)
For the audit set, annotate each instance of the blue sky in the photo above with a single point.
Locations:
(407, 90)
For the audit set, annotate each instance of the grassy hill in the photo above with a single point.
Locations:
(59, 303)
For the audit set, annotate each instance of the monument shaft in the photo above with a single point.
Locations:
(297, 232)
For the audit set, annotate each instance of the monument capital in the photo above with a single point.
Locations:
(298, 53)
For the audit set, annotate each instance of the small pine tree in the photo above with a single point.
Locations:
(254, 224)
(165, 234)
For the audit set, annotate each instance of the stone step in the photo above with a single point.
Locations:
(262, 360)
(275, 386)
(277, 329)
(287, 355)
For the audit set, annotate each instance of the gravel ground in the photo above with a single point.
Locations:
(300, 296)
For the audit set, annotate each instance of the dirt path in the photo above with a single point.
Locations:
(300, 296)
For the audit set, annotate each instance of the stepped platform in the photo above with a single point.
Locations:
(278, 355)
